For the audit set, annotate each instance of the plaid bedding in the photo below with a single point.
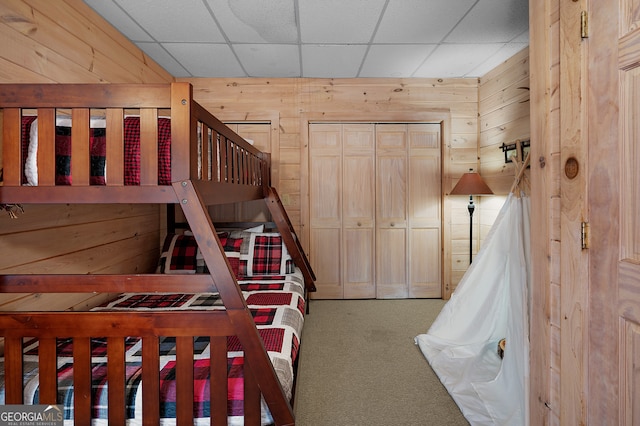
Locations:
(277, 306)
(97, 148)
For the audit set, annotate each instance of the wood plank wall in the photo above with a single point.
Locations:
(293, 99)
(503, 109)
(547, 382)
(64, 41)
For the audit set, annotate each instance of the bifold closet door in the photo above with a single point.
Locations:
(358, 211)
(425, 210)
(375, 210)
(391, 211)
(325, 209)
(409, 210)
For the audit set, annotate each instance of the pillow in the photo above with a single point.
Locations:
(181, 255)
(231, 248)
(266, 255)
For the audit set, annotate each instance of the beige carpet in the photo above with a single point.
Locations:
(360, 366)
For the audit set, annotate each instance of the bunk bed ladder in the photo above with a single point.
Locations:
(261, 369)
(281, 219)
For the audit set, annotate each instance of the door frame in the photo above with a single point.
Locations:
(442, 116)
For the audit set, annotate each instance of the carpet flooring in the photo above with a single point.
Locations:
(359, 366)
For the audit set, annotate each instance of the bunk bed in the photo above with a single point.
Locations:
(195, 162)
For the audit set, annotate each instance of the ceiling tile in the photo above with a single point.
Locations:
(162, 57)
(390, 60)
(420, 21)
(338, 21)
(453, 60)
(269, 60)
(123, 22)
(331, 61)
(203, 60)
(248, 21)
(171, 21)
(492, 21)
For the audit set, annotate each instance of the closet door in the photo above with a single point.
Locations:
(391, 211)
(325, 208)
(358, 211)
(425, 210)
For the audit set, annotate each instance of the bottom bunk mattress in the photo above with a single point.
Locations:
(277, 305)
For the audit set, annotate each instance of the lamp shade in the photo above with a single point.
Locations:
(471, 184)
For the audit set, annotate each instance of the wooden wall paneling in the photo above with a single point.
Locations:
(544, 51)
(573, 192)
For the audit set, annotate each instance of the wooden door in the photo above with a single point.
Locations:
(325, 209)
(613, 388)
(391, 211)
(358, 211)
(425, 210)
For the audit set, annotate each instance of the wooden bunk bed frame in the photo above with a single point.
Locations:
(198, 180)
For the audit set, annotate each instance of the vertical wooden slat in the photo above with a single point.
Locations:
(80, 160)
(184, 379)
(151, 381)
(218, 386)
(251, 395)
(46, 146)
(47, 370)
(82, 380)
(215, 155)
(115, 380)
(222, 142)
(206, 152)
(115, 146)
(11, 146)
(13, 370)
(148, 146)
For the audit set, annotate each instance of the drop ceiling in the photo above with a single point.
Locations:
(323, 38)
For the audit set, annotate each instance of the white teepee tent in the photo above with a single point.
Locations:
(490, 303)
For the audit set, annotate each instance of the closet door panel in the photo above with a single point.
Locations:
(324, 255)
(391, 261)
(326, 181)
(358, 213)
(325, 209)
(425, 210)
(391, 211)
(425, 261)
(358, 266)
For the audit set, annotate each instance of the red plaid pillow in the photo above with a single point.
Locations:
(232, 251)
(183, 255)
(267, 255)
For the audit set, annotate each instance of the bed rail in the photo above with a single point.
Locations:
(222, 164)
(184, 326)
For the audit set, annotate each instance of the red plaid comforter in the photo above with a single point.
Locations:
(277, 306)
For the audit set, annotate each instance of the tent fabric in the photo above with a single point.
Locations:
(490, 303)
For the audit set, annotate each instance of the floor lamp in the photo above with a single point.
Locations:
(471, 184)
